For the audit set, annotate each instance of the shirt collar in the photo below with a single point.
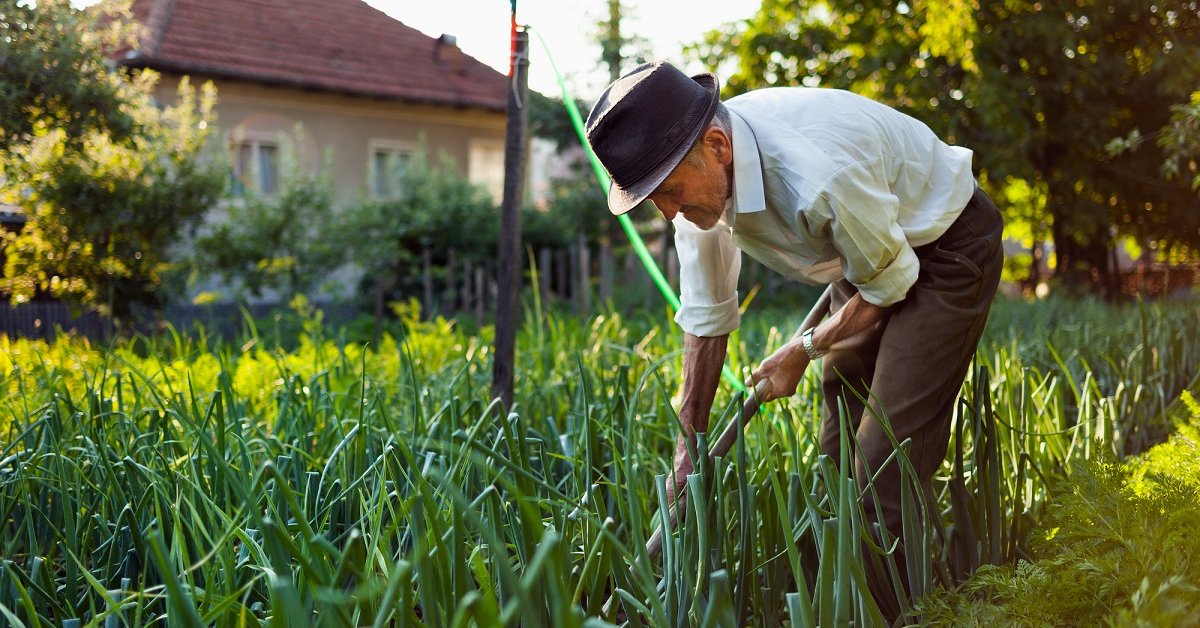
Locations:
(748, 194)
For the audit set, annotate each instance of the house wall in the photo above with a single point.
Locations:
(346, 128)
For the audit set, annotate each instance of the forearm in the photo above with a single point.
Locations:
(855, 317)
(785, 367)
(702, 361)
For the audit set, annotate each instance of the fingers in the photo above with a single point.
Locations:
(764, 389)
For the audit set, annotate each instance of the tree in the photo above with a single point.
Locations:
(106, 178)
(1085, 73)
(549, 120)
(437, 214)
(577, 206)
(275, 242)
(56, 73)
(1037, 89)
(101, 219)
(1181, 141)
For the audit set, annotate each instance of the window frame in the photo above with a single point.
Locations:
(374, 147)
(254, 180)
(477, 145)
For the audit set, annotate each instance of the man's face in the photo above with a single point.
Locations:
(697, 188)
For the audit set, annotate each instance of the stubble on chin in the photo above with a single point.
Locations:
(703, 219)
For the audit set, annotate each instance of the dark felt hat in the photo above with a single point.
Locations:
(644, 124)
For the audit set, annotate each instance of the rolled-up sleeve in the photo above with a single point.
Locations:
(709, 263)
(862, 216)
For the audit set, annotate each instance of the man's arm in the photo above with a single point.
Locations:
(702, 361)
(786, 366)
(855, 317)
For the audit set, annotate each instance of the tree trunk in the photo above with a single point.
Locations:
(1037, 254)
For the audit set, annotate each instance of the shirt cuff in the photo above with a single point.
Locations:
(892, 284)
(709, 320)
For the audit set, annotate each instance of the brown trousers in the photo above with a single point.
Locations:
(911, 366)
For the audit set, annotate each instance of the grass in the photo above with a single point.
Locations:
(195, 481)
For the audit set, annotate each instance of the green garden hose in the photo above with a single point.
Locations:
(635, 238)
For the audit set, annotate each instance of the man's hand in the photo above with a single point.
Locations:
(683, 467)
(784, 368)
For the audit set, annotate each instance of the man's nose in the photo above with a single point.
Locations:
(669, 210)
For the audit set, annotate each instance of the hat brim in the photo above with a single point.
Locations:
(622, 199)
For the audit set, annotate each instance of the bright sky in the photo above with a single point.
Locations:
(570, 29)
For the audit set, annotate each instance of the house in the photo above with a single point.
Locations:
(327, 77)
(12, 219)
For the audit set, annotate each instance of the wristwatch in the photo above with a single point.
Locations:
(806, 341)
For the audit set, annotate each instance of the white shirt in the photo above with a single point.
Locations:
(826, 184)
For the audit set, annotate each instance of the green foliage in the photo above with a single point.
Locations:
(1026, 222)
(576, 206)
(1117, 547)
(1177, 460)
(617, 46)
(437, 210)
(1038, 90)
(282, 242)
(1099, 70)
(56, 76)
(1181, 141)
(949, 32)
(101, 219)
(548, 119)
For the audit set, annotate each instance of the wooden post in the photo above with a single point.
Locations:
(427, 282)
(450, 306)
(630, 279)
(544, 273)
(585, 276)
(510, 217)
(561, 264)
(573, 275)
(468, 297)
(480, 292)
(606, 270)
(379, 303)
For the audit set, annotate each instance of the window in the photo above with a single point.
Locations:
(485, 166)
(388, 164)
(256, 166)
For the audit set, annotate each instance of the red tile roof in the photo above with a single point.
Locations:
(342, 46)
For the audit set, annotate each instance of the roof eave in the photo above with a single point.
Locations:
(140, 61)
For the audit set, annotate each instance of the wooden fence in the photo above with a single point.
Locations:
(582, 278)
(43, 319)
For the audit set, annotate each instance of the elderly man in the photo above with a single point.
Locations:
(822, 186)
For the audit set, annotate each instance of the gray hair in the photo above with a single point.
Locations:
(721, 119)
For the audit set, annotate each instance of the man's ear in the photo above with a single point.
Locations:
(719, 143)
